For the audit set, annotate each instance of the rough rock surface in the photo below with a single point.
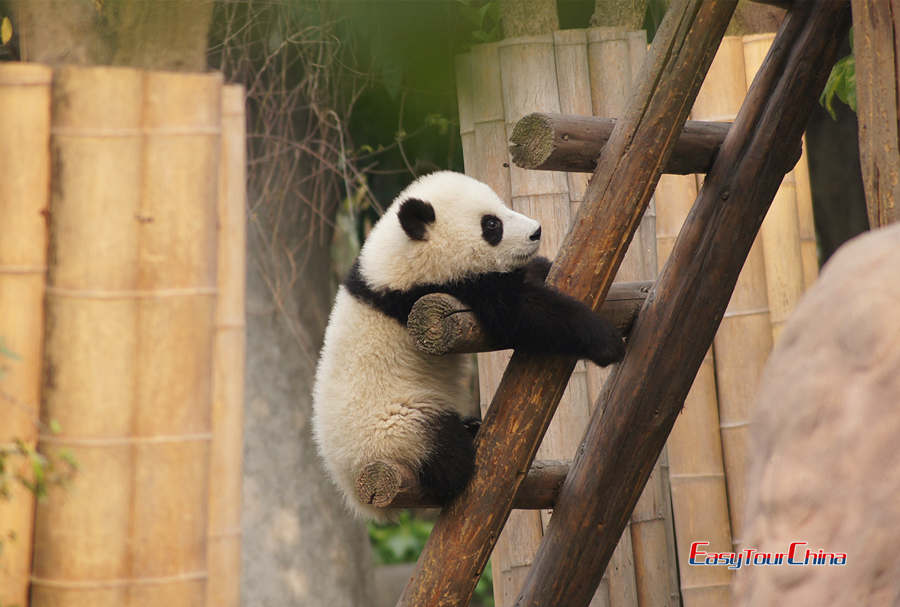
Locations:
(826, 438)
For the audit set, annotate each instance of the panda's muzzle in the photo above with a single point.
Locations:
(536, 235)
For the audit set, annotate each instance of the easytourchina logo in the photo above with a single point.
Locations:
(798, 553)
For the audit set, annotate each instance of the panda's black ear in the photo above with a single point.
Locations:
(415, 215)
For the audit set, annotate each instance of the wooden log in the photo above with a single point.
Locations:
(24, 197)
(441, 324)
(877, 55)
(555, 142)
(130, 319)
(618, 194)
(223, 549)
(681, 316)
(391, 485)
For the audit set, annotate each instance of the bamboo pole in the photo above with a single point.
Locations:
(744, 338)
(532, 385)
(223, 551)
(528, 76)
(130, 318)
(781, 228)
(25, 175)
(573, 81)
(480, 102)
(699, 497)
(692, 294)
(615, 58)
(809, 250)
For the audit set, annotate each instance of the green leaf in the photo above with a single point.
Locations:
(6, 30)
(55, 428)
(5, 351)
(841, 84)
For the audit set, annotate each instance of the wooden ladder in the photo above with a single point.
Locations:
(675, 326)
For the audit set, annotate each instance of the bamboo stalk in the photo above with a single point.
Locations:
(130, 315)
(528, 74)
(693, 290)
(809, 250)
(486, 161)
(781, 228)
(25, 175)
(223, 551)
(699, 498)
(744, 338)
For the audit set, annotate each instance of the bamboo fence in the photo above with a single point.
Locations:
(130, 319)
(225, 475)
(24, 173)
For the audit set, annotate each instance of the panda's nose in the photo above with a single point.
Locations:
(536, 235)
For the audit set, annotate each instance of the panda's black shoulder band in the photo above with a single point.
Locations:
(394, 303)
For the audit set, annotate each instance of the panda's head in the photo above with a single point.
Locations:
(443, 227)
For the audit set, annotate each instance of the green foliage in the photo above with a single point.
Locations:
(841, 83)
(402, 542)
(21, 463)
(484, 18)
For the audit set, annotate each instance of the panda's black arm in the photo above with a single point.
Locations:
(519, 313)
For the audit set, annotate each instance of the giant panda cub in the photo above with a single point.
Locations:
(377, 397)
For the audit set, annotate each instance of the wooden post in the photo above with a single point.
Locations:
(532, 385)
(442, 324)
(223, 551)
(878, 93)
(25, 176)
(744, 338)
(130, 319)
(681, 316)
(554, 142)
(391, 485)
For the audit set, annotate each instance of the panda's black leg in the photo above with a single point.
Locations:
(472, 424)
(452, 459)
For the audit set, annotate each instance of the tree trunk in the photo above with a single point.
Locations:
(136, 33)
(528, 17)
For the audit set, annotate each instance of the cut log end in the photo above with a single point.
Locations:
(379, 483)
(532, 141)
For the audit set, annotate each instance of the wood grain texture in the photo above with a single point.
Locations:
(442, 324)
(391, 485)
(677, 324)
(877, 51)
(532, 385)
(555, 142)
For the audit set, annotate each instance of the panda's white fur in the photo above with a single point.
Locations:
(375, 394)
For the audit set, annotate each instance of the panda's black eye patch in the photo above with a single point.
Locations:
(491, 229)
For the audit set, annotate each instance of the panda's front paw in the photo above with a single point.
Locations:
(605, 345)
